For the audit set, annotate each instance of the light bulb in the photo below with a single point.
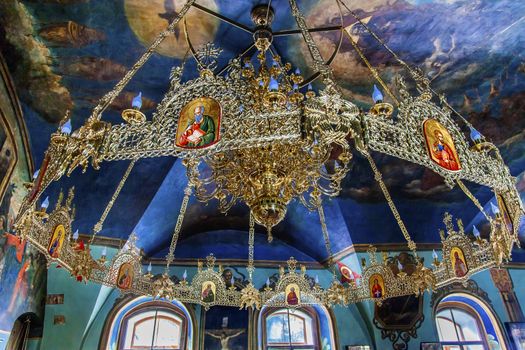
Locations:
(273, 85)
(45, 203)
(475, 231)
(494, 208)
(66, 127)
(137, 101)
(377, 96)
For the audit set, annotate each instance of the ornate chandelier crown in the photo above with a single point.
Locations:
(259, 135)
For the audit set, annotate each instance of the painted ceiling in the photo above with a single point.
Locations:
(65, 54)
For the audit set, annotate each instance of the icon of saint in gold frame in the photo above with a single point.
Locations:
(199, 124)
(57, 241)
(440, 145)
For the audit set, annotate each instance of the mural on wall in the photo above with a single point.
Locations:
(22, 268)
(226, 328)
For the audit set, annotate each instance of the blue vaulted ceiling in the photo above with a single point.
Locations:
(472, 51)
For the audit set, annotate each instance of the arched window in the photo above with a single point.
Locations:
(465, 323)
(153, 327)
(144, 323)
(305, 328)
(287, 329)
(458, 329)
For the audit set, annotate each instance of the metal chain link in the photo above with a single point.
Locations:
(473, 199)
(110, 96)
(326, 237)
(372, 70)
(178, 226)
(319, 63)
(251, 240)
(415, 73)
(379, 178)
(98, 226)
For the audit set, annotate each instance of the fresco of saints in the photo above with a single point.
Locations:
(125, 277)
(377, 290)
(460, 268)
(440, 145)
(291, 297)
(207, 294)
(200, 131)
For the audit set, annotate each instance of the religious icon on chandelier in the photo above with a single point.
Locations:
(208, 292)
(505, 212)
(440, 145)
(125, 276)
(293, 294)
(377, 286)
(57, 241)
(199, 124)
(457, 259)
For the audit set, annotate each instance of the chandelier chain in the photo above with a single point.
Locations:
(110, 96)
(418, 76)
(319, 63)
(372, 70)
(98, 226)
(379, 178)
(326, 237)
(184, 205)
(251, 240)
(473, 199)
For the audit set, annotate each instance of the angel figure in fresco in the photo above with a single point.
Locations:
(224, 336)
(207, 295)
(292, 298)
(444, 153)
(200, 131)
(460, 269)
(377, 290)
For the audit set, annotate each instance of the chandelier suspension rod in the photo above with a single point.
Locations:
(98, 226)
(379, 178)
(171, 254)
(416, 74)
(473, 199)
(319, 63)
(110, 96)
(251, 242)
(326, 237)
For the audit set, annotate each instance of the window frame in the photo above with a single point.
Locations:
(452, 305)
(153, 306)
(315, 328)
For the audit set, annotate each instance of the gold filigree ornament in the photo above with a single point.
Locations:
(250, 297)
(424, 279)
(164, 288)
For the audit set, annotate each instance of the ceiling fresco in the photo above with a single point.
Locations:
(66, 54)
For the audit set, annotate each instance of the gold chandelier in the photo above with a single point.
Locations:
(253, 137)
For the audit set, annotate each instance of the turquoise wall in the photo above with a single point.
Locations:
(354, 323)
